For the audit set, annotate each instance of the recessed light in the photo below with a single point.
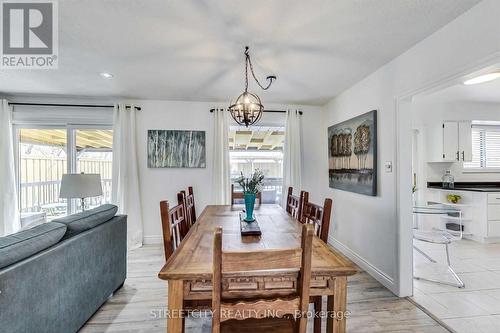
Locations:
(106, 75)
(483, 78)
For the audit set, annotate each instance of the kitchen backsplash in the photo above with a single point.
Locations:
(435, 172)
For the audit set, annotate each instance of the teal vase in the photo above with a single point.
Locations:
(249, 205)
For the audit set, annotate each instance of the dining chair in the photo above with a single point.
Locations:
(279, 314)
(238, 195)
(319, 217)
(294, 203)
(187, 199)
(441, 236)
(174, 226)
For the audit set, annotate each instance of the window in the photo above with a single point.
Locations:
(94, 154)
(46, 153)
(259, 147)
(485, 148)
(42, 162)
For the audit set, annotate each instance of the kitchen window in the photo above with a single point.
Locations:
(485, 148)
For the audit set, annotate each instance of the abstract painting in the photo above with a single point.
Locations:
(352, 154)
(176, 149)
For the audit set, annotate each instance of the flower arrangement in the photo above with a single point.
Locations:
(252, 185)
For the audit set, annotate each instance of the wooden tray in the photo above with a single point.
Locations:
(249, 228)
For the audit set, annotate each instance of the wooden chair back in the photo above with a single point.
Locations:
(317, 216)
(231, 263)
(174, 226)
(294, 203)
(238, 195)
(187, 199)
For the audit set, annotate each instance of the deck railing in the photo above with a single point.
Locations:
(272, 191)
(40, 182)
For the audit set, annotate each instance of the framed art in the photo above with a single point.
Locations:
(352, 154)
(176, 149)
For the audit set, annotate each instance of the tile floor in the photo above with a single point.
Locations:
(473, 309)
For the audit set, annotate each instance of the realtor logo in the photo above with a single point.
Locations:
(29, 34)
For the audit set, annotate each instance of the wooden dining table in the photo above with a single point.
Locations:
(189, 270)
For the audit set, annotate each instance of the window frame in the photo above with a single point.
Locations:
(70, 148)
(481, 169)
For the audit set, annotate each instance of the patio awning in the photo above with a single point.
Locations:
(85, 139)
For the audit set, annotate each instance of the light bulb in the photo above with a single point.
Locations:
(483, 78)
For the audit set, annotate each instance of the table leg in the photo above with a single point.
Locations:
(175, 302)
(336, 322)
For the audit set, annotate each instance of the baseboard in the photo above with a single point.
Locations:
(152, 240)
(376, 273)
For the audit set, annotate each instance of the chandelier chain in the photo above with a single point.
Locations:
(248, 62)
(247, 108)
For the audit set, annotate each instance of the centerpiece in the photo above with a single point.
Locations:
(251, 186)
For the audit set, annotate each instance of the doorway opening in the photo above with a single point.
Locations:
(455, 202)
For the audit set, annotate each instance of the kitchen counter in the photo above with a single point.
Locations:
(474, 187)
(478, 202)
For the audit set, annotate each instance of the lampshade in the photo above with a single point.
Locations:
(82, 185)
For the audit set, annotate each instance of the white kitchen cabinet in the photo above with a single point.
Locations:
(481, 213)
(450, 141)
(494, 214)
(465, 140)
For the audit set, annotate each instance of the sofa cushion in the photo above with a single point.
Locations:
(19, 246)
(88, 219)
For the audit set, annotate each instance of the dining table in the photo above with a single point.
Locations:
(189, 270)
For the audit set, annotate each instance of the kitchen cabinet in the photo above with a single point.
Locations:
(450, 141)
(494, 214)
(465, 141)
(481, 213)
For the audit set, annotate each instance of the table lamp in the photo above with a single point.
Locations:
(81, 186)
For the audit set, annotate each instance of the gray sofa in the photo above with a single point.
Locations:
(55, 276)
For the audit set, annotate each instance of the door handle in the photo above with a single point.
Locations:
(458, 156)
(463, 155)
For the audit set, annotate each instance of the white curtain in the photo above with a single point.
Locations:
(126, 192)
(292, 154)
(9, 210)
(221, 168)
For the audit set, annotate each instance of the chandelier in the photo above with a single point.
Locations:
(248, 108)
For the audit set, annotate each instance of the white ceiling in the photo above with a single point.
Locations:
(488, 92)
(193, 49)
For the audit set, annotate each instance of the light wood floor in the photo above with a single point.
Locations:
(137, 307)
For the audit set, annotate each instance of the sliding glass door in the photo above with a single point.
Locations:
(46, 153)
(94, 155)
(42, 160)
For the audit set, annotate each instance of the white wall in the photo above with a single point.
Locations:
(428, 112)
(163, 184)
(366, 228)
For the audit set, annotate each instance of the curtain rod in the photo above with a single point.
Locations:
(72, 105)
(269, 111)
